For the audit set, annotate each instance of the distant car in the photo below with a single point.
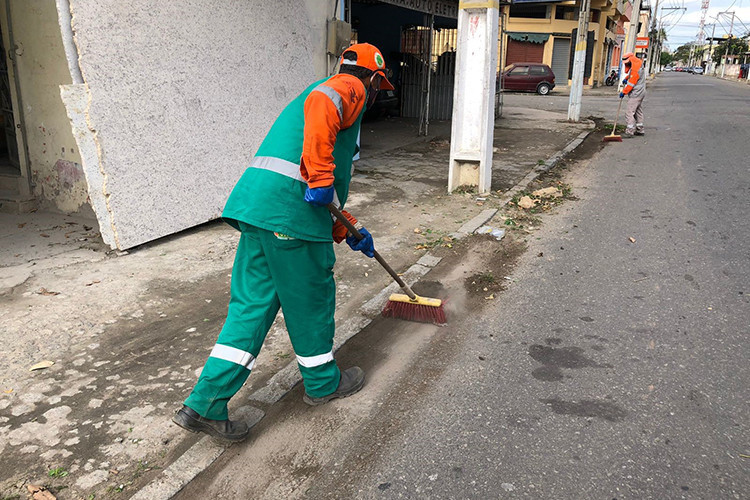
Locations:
(698, 70)
(534, 77)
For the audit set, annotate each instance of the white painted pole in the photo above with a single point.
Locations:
(579, 63)
(472, 129)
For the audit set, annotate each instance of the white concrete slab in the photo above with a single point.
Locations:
(182, 93)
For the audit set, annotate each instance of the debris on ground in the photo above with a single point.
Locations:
(42, 365)
(632, 240)
(496, 233)
(526, 202)
(44, 291)
(548, 192)
(40, 492)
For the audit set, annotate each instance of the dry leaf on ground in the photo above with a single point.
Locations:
(40, 492)
(548, 192)
(526, 202)
(44, 291)
(42, 365)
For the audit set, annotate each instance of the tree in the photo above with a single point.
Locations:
(666, 58)
(682, 53)
(730, 46)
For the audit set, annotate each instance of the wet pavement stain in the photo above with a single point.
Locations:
(591, 408)
(553, 359)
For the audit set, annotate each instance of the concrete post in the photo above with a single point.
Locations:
(579, 63)
(474, 96)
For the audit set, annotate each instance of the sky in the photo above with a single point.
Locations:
(682, 25)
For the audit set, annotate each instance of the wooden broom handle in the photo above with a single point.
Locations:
(342, 218)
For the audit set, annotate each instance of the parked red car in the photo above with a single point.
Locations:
(534, 77)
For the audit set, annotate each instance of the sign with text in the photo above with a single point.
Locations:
(441, 8)
(641, 42)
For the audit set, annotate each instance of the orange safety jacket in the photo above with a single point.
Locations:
(334, 105)
(634, 75)
(327, 112)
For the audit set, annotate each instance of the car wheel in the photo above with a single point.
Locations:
(542, 89)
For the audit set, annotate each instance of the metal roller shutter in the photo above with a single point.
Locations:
(560, 54)
(523, 52)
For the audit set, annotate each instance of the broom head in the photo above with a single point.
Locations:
(422, 309)
(612, 138)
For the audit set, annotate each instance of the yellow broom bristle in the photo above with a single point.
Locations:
(421, 301)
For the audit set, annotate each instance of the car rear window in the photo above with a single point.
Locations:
(520, 70)
(537, 70)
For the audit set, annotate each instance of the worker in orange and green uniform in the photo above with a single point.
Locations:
(285, 254)
(635, 88)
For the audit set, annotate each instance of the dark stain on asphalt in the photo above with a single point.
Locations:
(691, 223)
(554, 359)
(548, 373)
(595, 337)
(553, 341)
(384, 486)
(591, 408)
(563, 357)
(587, 319)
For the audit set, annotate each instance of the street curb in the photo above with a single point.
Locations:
(203, 453)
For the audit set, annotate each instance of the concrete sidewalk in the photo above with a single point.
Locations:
(129, 333)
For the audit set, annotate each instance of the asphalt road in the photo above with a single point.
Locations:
(609, 369)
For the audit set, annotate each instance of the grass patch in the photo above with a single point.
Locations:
(57, 472)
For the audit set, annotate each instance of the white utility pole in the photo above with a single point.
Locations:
(579, 63)
(631, 36)
(652, 42)
(472, 130)
(633, 28)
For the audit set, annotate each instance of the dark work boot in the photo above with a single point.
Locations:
(188, 419)
(351, 382)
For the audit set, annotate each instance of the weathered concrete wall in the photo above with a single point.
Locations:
(180, 96)
(42, 66)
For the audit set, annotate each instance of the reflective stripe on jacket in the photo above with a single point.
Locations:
(270, 194)
(636, 85)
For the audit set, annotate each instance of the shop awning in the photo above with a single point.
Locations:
(529, 37)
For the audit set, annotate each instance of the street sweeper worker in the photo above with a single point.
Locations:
(635, 88)
(285, 253)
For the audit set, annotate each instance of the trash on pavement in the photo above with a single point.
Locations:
(498, 234)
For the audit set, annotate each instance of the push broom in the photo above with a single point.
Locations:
(410, 306)
(612, 137)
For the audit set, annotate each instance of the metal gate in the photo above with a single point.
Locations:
(428, 69)
(8, 143)
(560, 55)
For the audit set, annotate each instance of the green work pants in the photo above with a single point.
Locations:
(272, 271)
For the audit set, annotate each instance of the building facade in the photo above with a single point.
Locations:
(544, 32)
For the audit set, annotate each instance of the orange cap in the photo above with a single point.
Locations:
(367, 56)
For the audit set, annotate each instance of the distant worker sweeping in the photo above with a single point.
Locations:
(635, 88)
(285, 257)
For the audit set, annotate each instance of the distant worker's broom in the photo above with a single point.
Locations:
(411, 306)
(612, 137)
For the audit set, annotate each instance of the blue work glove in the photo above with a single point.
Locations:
(625, 81)
(622, 94)
(365, 245)
(319, 197)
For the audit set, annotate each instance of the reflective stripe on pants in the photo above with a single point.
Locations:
(268, 273)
